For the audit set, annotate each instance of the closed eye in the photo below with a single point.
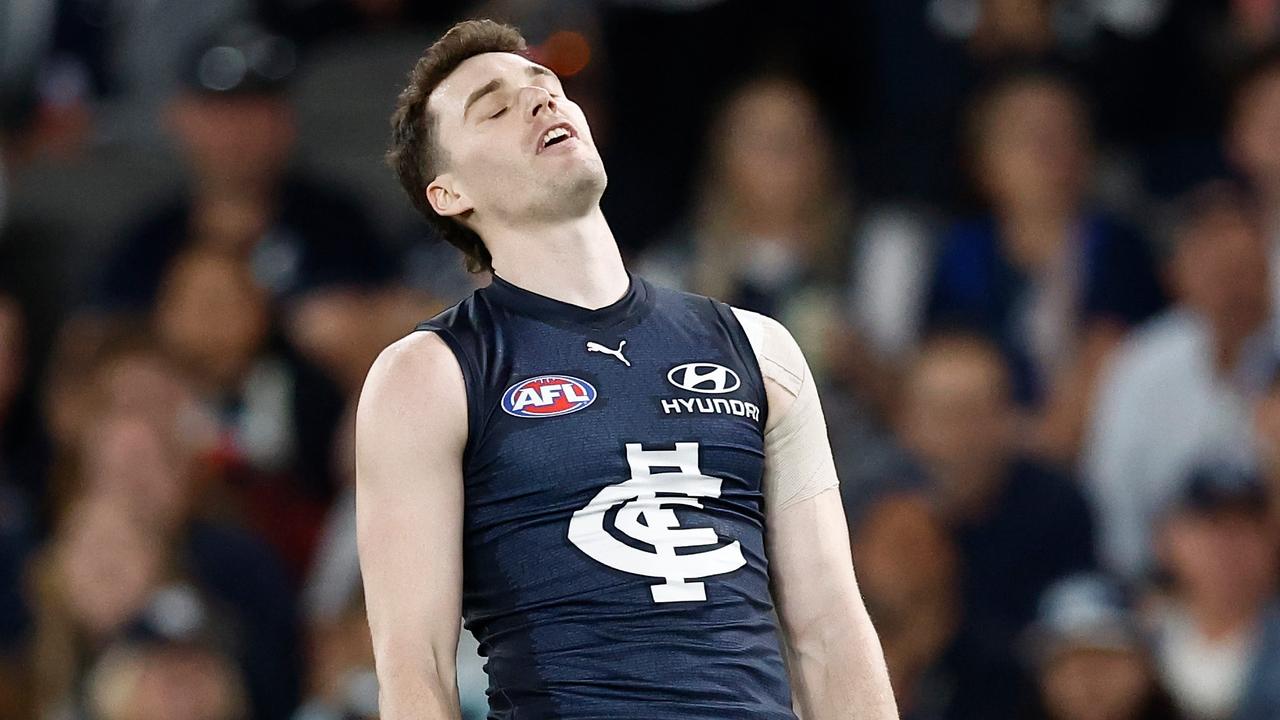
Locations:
(498, 114)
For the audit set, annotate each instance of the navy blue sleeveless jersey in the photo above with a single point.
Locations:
(614, 558)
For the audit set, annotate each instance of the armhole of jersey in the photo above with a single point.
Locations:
(748, 336)
(470, 382)
(752, 328)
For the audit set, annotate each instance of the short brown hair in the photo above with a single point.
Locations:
(415, 154)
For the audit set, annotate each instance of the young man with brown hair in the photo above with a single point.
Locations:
(614, 483)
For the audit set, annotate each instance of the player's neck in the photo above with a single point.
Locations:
(575, 261)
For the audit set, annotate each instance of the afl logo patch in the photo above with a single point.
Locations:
(547, 396)
(702, 377)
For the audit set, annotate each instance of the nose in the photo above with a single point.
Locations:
(535, 100)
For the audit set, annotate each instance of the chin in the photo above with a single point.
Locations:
(578, 189)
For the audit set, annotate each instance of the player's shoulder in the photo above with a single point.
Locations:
(758, 326)
(419, 354)
(771, 340)
(418, 370)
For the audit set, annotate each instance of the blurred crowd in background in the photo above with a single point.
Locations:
(1030, 247)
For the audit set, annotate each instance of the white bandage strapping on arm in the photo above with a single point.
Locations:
(797, 454)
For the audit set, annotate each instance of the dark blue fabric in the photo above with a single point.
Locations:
(567, 636)
(1036, 530)
(245, 578)
(975, 287)
(971, 680)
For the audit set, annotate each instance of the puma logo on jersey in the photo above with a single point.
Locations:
(597, 347)
(547, 396)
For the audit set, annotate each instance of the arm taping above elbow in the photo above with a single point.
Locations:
(798, 462)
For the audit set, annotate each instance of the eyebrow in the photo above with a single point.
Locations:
(492, 85)
(479, 93)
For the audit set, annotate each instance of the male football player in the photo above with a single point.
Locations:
(615, 484)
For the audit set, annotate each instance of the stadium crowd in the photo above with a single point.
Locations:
(1030, 247)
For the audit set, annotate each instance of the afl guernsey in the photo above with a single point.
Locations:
(614, 555)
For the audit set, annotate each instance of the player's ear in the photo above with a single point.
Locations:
(446, 198)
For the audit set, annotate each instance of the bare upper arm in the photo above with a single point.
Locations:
(810, 563)
(411, 428)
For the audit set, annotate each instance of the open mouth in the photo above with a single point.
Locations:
(556, 135)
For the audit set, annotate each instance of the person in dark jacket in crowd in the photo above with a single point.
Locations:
(1018, 525)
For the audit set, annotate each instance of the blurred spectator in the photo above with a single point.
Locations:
(311, 249)
(1178, 392)
(305, 243)
(17, 478)
(129, 458)
(1091, 656)
(342, 331)
(236, 130)
(683, 58)
(20, 457)
(931, 54)
(212, 318)
(1003, 28)
(1266, 428)
(96, 576)
(1053, 279)
(31, 247)
(12, 354)
(1252, 143)
(919, 82)
(16, 544)
(774, 228)
(333, 582)
(26, 31)
(773, 217)
(165, 681)
(101, 368)
(343, 685)
(1218, 626)
(1018, 526)
(136, 430)
(7, 113)
(19, 475)
(121, 61)
(26, 319)
(172, 662)
(908, 569)
(1254, 23)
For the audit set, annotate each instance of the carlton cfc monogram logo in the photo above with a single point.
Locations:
(643, 515)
